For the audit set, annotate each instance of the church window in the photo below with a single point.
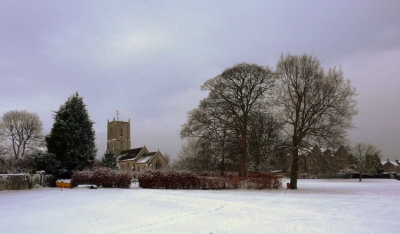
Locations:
(121, 132)
(158, 165)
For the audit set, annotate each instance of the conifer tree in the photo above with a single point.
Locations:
(72, 138)
(109, 160)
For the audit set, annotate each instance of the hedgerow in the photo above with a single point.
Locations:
(102, 176)
(187, 180)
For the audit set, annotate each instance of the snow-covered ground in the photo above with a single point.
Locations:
(319, 206)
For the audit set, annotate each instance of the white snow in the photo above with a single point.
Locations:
(318, 206)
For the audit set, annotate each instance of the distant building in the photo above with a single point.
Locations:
(343, 160)
(319, 161)
(141, 159)
(119, 142)
(391, 166)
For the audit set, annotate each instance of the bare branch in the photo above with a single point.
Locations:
(22, 129)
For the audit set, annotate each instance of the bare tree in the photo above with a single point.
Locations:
(210, 123)
(315, 105)
(365, 155)
(240, 89)
(263, 138)
(4, 149)
(194, 156)
(167, 158)
(22, 129)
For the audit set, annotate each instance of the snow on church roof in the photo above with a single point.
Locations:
(146, 158)
(129, 154)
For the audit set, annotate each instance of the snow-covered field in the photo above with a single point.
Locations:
(319, 206)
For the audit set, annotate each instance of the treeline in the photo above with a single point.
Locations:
(70, 145)
(255, 113)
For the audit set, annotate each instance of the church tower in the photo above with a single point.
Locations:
(118, 136)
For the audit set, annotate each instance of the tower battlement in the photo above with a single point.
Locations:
(118, 136)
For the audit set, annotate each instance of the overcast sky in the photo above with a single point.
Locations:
(148, 59)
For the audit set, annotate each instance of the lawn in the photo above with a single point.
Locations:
(318, 206)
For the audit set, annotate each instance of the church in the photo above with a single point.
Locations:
(137, 159)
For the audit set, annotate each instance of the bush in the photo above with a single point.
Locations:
(186, 180)
(102, 176)
(168, 180)
(264, 180)
(48, 163)
(20, 165)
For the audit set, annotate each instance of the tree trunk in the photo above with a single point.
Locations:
(295, 166)
(243, 156)
(243, 169)
(223, 163)
(360, 177)
(223, 154)
(257, 161)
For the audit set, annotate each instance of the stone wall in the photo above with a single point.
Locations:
(24, 181)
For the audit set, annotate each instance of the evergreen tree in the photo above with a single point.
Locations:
(72, 138)
(109, 160)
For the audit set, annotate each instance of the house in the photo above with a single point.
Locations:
(391, 166)
(343, 161)
(137, 159)
(319, 161)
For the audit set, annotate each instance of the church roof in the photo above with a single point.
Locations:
(129, 154)
(146, 158)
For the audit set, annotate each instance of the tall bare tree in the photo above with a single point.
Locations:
(366, 157)
(22, 129)
(241, 88)
(316, 105)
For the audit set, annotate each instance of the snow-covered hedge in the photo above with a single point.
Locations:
(102, 176)
(187, 180)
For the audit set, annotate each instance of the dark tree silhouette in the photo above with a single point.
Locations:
(72, 138)
(316, 106)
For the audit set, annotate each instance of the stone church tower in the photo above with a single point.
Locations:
(118, 136)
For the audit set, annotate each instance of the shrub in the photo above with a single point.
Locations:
(20, 165)
(102, 176)
(169, 180)
(187, 180)
(264, 180)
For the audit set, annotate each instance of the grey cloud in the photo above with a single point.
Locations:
(149, 59)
